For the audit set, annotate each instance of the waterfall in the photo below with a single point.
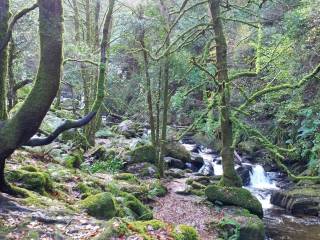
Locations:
(259, 179)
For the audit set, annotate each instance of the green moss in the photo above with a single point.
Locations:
(147, 230)
(234, 196)
(184, 232)
(33, 180)
(129, 177)
(87, 189)
(141, 212)
(156, 189)
(145, 153)
(242, 226)
(29, 168)
(74, 160)
(101, 205)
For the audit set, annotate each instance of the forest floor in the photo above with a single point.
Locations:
(186, 209)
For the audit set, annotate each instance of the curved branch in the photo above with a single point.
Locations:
(21, 84)
(19, 15)
(67, 125)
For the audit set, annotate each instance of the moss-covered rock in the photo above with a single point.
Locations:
(74, 160)
(302, 199)
(184, 232)
(234, 196)
(248, 147)
(31, 178)
(129, 177)
(139, 210)
(241, 225)
(141, 154)
(178, 151)
(147, 230)
(101, 205)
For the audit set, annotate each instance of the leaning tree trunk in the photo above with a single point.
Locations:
(18, 130)
(230, 176)
(4, 18)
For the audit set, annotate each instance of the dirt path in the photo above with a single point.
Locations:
(185, 209)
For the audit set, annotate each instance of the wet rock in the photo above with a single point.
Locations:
(143, 169)
(206, 170)
(197, 160)
(234, 196)
(244, 172)
(177, 150)
(129, 129)
(174, 163)
(299, 200)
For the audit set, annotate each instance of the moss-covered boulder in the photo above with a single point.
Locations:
(148, 230)
(31, 178)
(146, 153)
(129, 177)
(239, 224)
(249, 147)
(136, 208)
(302, 199)
(177, 150)
(101, 205)
(234, 196)
(74, 160)
(185, 232)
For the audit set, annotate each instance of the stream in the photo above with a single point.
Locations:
(279, 224)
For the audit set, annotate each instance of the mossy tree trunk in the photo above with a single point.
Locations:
(230, 176)
(4, 18)
(165, 91)
(18, 130)
(148, 79)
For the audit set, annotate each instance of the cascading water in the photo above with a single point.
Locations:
(279, 224)
(260, 185)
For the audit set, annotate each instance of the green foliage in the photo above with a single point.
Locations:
(110, 165)
(231, 229)
(184, 232)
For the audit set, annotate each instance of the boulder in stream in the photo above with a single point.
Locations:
(234, 196)
(177, 150)
(302, 199)
(244, 173)
(174, 163)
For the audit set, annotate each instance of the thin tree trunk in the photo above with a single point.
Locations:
(148, 81)
(230, 176)
(76, 20)
(12, 94)
(4, 18)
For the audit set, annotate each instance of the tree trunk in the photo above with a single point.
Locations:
(12, 94)
(76, 21)
(165, 91)
(18, 130)
(4, 18)
(148, 80)
(230, 176)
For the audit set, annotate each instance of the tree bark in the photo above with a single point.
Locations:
(4, 18)
(148, 80)
(230, 176)
(18, 130)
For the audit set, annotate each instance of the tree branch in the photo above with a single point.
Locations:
(19, 15)
(67, 125)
